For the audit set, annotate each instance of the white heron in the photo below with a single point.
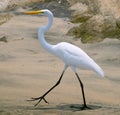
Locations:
(71, 55)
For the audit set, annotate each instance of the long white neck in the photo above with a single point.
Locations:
(42, 31)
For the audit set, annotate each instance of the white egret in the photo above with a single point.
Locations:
(71, 55)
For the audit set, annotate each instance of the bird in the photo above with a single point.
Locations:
(71, 55)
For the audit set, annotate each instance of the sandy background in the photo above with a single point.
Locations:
(27, 70)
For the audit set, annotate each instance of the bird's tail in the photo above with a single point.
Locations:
(98, 70)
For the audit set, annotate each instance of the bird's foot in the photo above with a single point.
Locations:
(85, 107)
(80, 108)
(39, 100)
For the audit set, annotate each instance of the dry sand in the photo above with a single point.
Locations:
(27, 70)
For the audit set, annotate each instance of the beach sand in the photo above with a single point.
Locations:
(27, 70)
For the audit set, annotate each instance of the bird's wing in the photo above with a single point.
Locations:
(75, 51)
(72, 53)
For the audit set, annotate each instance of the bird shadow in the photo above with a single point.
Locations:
(70, 107)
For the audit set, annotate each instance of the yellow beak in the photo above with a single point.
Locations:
(34, 12)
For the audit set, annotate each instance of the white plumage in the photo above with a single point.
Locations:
(75, 57)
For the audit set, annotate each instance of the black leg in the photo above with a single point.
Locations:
(83, 94)
(43, 96)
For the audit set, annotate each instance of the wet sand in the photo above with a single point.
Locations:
(27, 70)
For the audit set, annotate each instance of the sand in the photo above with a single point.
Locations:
(27, 70)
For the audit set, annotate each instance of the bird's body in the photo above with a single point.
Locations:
(75, 57)
(71, 55)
